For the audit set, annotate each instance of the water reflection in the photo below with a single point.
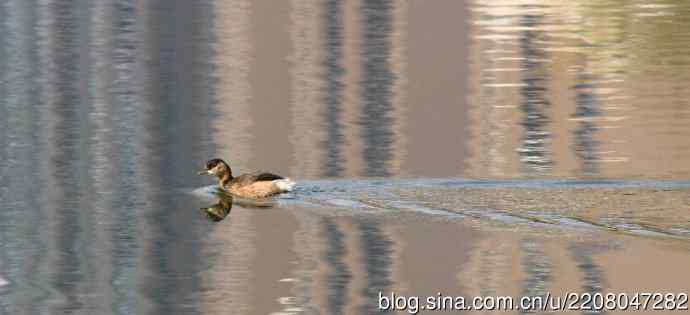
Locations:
(340, 277)
(334, 88)
(538, 270)
(593, 275)
(585, 146)
(550, 95)
(218, 211)
(585, 94)
(69, 278)
(106, 108)
(378, 264)
(535, 149)
(376, 88)
(177, 77)
(20, 166)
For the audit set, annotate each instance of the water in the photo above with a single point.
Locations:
(461, 147)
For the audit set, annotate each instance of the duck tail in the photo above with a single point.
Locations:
(285, 184)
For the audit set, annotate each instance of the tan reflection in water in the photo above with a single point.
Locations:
(432, 257)
(233, 56)
(304, 261)
(434, 85)
(307, 248)
(493, 115)
(307, 37)
(274, 260)
(617, 105)
(492, 267)
(566, 276)
(335, 251)
(647, 266)
(354, 259)
(233, 240)
(398, 66)
(334, 273)
(609, 105)
(269, 78)
(229, 276)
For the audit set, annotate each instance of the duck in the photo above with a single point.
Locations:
(253, 185)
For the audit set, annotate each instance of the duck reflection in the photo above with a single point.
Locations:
(218, 211)
(221, 209)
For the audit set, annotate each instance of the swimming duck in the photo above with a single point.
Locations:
(256, 185)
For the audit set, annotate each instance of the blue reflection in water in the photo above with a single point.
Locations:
(593, 278)
(535, 150)
(68, 275)
(128, 199)
(378, 261)
(376, 87)
(340, 277)
(538, 268)
(176, 125)
(334, 87)
(585, 146)
(20, 198)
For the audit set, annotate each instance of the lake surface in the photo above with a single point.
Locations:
(457, 147)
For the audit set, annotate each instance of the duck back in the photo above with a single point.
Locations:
(258, 185)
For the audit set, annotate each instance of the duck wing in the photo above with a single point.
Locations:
(267, 176)
(248, 179)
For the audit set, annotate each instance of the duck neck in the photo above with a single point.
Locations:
(225, 179)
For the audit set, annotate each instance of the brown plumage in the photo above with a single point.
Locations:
(255, 185)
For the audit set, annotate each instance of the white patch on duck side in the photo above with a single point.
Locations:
(284, 184)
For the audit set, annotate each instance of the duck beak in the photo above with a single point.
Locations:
(204, 172)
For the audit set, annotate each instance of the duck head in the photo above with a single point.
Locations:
(218, 168)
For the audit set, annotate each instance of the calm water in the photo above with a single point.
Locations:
(464, 147)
